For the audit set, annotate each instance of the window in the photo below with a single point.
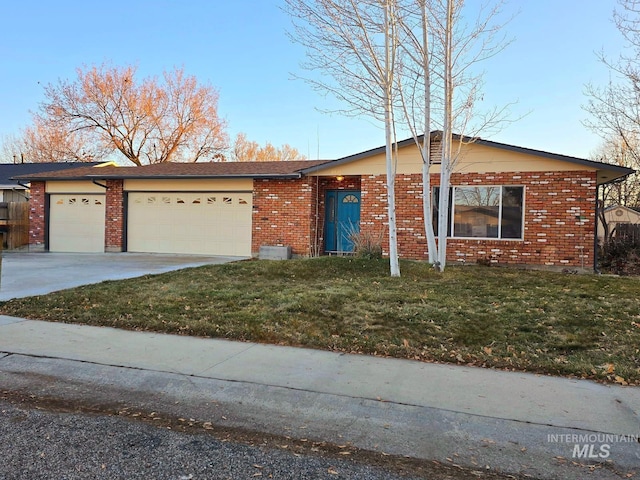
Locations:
(483, 212)
(350, 199)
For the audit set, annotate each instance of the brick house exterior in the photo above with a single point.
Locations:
(558, 220)
(556, 213)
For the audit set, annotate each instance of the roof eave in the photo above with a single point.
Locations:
(46, 179)
(161, 177)
(620, 174)
(187, 177)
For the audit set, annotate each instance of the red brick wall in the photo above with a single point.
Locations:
(114, 216)
(558, 223)
(37, 215)
(284, 214)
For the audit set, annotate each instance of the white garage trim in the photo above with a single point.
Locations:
(209, 223)
(76, 222)
(73, 186)
(189, 185)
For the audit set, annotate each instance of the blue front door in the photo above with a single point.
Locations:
(342, 219)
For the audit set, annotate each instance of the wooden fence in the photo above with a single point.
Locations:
(14, 222)
(628, 231)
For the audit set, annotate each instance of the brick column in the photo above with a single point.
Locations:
(114, 216)
(37, 226)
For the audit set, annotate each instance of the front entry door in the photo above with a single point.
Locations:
(342, 219)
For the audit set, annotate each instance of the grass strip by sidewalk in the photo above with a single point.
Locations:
(575, 325)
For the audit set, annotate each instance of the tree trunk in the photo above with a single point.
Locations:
(426, 140)
(426, 212)
(394, 266)
(445, 167)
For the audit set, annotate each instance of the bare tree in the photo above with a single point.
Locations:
(47, 142)
(438, 85)
(622, 152)
(244, 150)
(615, 107)
(414, 89)
(148, 121)
(11, 150)
(354, 44)
(615, 112)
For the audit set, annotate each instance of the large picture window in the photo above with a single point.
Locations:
(483, 212)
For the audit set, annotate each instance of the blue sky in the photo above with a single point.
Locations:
(241, 48)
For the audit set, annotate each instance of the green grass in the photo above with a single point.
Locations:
(575, 325)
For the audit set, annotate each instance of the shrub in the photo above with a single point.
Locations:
(620, 255)
(367, 244)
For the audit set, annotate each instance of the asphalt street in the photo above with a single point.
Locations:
(40, 444)
(40, 440)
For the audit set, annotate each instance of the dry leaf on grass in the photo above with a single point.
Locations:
(620, 380)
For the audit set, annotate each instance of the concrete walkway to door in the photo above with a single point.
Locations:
(25, 274)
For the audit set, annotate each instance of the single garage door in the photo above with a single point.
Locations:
(76, 222)
(211, 223)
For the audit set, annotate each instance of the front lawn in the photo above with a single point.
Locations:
(576, 325)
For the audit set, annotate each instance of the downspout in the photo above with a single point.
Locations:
(595, 233)
(19, 192)
(95, 182)
(26, 186)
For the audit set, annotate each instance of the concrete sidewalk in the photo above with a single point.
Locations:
(511, 422)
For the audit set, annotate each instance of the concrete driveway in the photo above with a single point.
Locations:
(26, 274)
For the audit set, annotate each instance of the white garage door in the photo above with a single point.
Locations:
(76, 222)
(212, 223)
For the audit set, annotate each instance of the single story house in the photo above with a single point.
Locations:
(511, 205)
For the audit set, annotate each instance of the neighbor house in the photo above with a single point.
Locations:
(510, 205)
(13, 190)
(616, 215)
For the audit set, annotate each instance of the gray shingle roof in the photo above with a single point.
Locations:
(184, 170)
(10, 170)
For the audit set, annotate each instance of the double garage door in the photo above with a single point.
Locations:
(209, 223)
